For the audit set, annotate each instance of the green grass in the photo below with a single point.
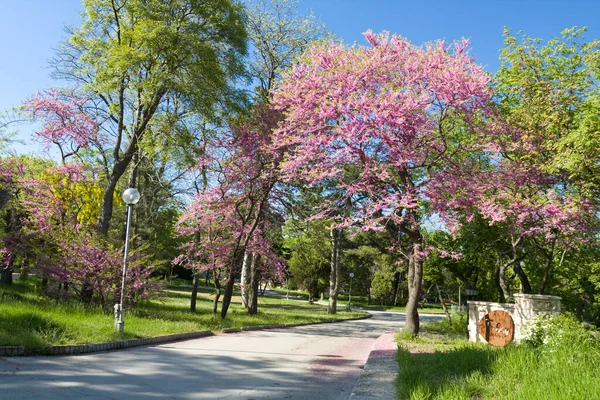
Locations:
(446, 366)
(362, 302)
(296, 294)
(30, 320)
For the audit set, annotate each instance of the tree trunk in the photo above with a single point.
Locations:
(415, 281)
(6, 275)
(7, 270)
(106, 209)
(254, 285)
(217, 292)
(443, 303)
(334, 276)
(264, 288)
(228, 293)
(238, 254)
(395, 287)
(194, 293)
(133, 172)
(549, 259)
(24, 271)
(87, 292)
(502, 279)
(237, 259)
(245, 278)
(525, 285)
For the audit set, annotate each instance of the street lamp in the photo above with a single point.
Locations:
(471, 291)
(130, 196)
(350, 292)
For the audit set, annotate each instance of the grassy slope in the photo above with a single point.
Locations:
(30, 320)
(446, 366)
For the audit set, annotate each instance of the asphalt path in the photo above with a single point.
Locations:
(310, 362)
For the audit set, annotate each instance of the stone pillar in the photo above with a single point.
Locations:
(531, 306)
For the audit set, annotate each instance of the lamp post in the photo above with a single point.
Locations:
(350, 292)
(471, 292)
(130, 196)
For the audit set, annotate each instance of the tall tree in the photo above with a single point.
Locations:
(550, 93)
(278, 33)
(243, 168)
(391, 110)
(130, 56)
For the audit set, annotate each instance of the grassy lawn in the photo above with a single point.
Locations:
(30, 320)
(361, 301)
(446, 366)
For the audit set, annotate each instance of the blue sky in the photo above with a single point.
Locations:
(30, 29)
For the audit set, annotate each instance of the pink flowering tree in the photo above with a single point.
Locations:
(227, 223)
(65, 122)
(57, 209)
(542, 217)
(11, 216)
(393, 113)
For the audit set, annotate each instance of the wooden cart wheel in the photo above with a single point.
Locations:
(497, 328)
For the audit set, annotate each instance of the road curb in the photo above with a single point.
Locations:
(378, 378)
(123, 344)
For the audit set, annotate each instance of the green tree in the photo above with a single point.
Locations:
(309, 248)
(133, 58)
(550, 92)
(278, 34)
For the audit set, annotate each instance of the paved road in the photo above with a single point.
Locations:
(309, 362)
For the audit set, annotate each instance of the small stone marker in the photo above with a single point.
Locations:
(497, 328)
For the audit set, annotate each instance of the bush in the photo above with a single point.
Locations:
(563, 334)
(456, 326)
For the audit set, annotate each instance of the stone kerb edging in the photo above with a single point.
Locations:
(377, 380)
(123, 344)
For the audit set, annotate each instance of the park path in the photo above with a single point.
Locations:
(309, 362)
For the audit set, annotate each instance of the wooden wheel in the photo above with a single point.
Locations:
(497, 328)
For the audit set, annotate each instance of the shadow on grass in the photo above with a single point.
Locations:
(30, 330)
(187, 295)
(20, 292)
(427, 374)
(169, 312)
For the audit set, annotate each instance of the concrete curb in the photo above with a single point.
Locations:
(123, 344)
(96, 347)
(378, 379)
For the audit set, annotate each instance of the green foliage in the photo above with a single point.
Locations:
(309, 250)
(155, 47)
(550, 91)
(456, 326)
(382, 286)
(279, 34)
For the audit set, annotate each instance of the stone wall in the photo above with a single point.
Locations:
(525, 308)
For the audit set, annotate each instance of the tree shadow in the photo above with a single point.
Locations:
(30, 330)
